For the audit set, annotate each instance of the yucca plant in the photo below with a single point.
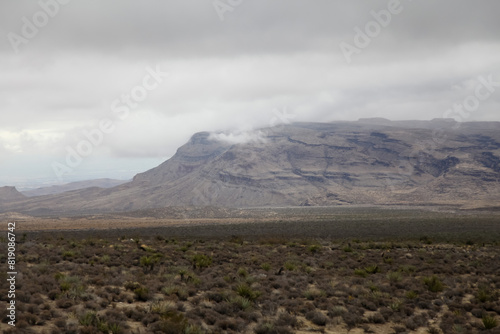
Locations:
(489, 322)
(433, 284)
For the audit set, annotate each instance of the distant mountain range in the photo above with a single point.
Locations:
(59, 189)
(371, 161)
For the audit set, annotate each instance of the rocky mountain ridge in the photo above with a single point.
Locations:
(369, 162)
(59, 189)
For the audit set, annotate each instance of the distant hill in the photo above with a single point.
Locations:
(10, 194)
(369, 162)
(53, 190)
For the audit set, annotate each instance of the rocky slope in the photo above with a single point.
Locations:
(372, 161)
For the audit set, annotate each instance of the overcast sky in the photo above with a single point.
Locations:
(70, 67)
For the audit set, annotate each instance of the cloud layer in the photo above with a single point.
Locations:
(232, 74)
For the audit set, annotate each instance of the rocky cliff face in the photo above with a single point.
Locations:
(377, 162)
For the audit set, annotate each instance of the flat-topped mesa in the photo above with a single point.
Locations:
(375, 120)
(321, 164)
(444, 120)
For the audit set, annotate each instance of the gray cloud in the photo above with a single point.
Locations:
(230, 75)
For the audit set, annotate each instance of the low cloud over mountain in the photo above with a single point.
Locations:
(372, 161)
